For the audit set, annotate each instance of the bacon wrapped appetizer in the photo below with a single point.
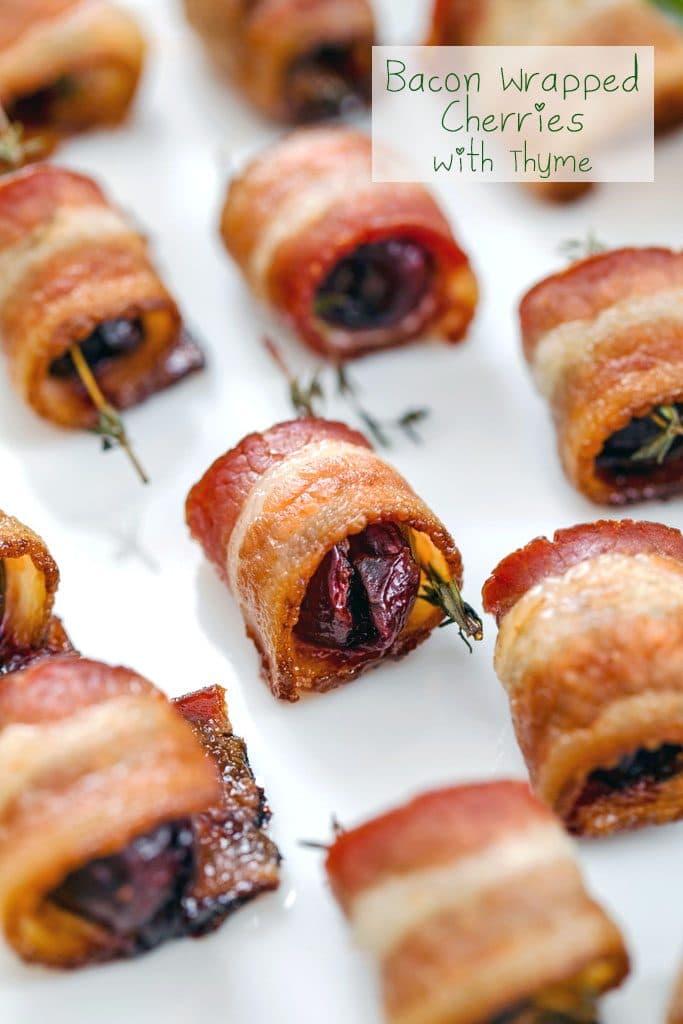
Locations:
(335, 561)
(353, 266)
(296, 60)
(471, 901)
(590, 651)
(67, 65)
(75, 273)
(572, 23)
(28, 581)
(604, 340)
(121, 825)
(676, 1010)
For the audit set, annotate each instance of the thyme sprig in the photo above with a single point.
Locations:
(668, 419)
(307, 397)
(15, 149)
(317, 844)
(445, 594)
(575, 249)
(109, 424)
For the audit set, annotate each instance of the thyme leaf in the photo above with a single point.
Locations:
(668, 419)
(575, 249)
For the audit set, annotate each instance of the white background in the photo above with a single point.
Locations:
(136, 590)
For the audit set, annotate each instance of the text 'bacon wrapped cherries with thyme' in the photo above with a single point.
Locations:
(296, 60)
(335, 561)
(28, 582)
(124, 820)
(353, 265)
(472, 903)
(604, 340)
(67, 65)
(590, 651)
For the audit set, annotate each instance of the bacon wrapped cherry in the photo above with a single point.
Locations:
(335, 561)
(590, 651)
(353, 266)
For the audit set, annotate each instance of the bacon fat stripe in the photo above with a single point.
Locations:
(590, 651)
(353, 266)
(271, 510)
(29, 578)
(72, 266)
(115, 812)
(296, 60)
(572, 23)
(466, 884)
(68, 65)
(604, 340)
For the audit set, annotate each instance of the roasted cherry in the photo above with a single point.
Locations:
(136, 893)
(362, 593)
(325, 82)
(109, 339)
(377, 286)
(641, 768)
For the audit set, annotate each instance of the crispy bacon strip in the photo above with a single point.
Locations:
(604, 340)
(590, 651)
(296, 60)
(269, 511)
(353, 266)
(68, 65)
(109, 805)
(73, 270)
(467, 884)
(29, 578)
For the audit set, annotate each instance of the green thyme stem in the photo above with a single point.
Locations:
(109, 425)
(445, 595)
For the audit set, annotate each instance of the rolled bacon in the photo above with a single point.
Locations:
(676, 1008)
(324, 546)
(604, 340)
(353, 266)
(113, 813)
(467, 886)
(73, 270)
(29, 578)
(590, 651)
(68, 65)
(572, 23)
(296, 60)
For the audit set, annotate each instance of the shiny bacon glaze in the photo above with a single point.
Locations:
(306, 214)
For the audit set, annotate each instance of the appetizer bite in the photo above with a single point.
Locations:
(86, 324)
(573, 23)
(590, 651)
(335, 561)
(67, 65)
(472, 903)
(29, 578)
(604, 340)
(676, 1010)
(296, 60)
(124, 820)
(354, 266)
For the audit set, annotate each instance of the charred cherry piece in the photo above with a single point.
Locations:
(362, 593)
(616, 457)
(642, 768)
(328, 81)
(136, 893)
(378, 285)
(110, 339)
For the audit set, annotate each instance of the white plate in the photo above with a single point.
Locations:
(136, 590)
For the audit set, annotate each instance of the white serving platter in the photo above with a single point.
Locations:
(135, 589)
